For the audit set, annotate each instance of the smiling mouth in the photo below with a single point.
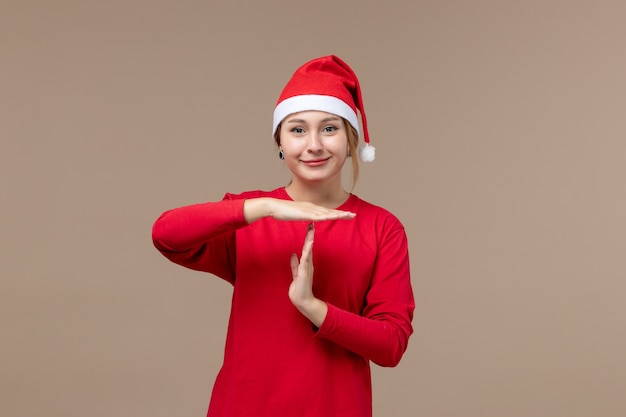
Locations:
(316, 162)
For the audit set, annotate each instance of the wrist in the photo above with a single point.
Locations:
(255, 209)
(315, 310)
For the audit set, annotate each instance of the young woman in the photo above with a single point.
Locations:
(321, 282)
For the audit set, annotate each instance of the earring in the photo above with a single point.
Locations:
(281, 155)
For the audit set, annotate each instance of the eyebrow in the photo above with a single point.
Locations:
(325, 120)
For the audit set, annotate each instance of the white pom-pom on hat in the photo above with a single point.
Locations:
(367, 153)
(326, 84)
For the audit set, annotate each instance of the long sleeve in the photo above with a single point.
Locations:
(274, 362)
(382, 332)
(201, 236)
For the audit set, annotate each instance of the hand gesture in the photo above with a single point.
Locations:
(278, 209)
(301, 288)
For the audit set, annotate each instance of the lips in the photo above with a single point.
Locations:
(315, 162)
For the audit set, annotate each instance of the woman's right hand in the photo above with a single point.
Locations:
(257, 208)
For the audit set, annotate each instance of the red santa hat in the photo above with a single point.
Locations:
(326, 84)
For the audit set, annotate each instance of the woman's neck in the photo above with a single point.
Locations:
(326, 195)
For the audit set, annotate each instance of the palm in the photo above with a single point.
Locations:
(301, 288)
(300, 210)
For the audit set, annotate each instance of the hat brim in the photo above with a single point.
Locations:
(328, 104)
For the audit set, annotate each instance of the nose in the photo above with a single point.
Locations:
(314, 143)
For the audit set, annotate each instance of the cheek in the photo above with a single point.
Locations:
(290, 146)
(342, 145)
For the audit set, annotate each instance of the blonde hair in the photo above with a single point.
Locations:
(353, 145)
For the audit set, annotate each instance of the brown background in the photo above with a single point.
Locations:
(500, 134)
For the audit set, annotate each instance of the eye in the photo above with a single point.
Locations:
(297, 130)
(330, 128)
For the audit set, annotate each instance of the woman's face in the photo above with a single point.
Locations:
(315, 145)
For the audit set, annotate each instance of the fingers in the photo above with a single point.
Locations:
(304, 267)
(328, 214)
(301, 288)
(294, 265)
(316, 213)
(307, 249)
(306, 260)
(292, 210)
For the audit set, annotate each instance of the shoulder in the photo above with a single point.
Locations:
(376, 215)
(276, 193)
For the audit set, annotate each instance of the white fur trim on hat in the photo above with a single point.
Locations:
(328, 104)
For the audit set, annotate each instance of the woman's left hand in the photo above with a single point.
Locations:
(301, 288)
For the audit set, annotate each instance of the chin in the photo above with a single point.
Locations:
(317, 179)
